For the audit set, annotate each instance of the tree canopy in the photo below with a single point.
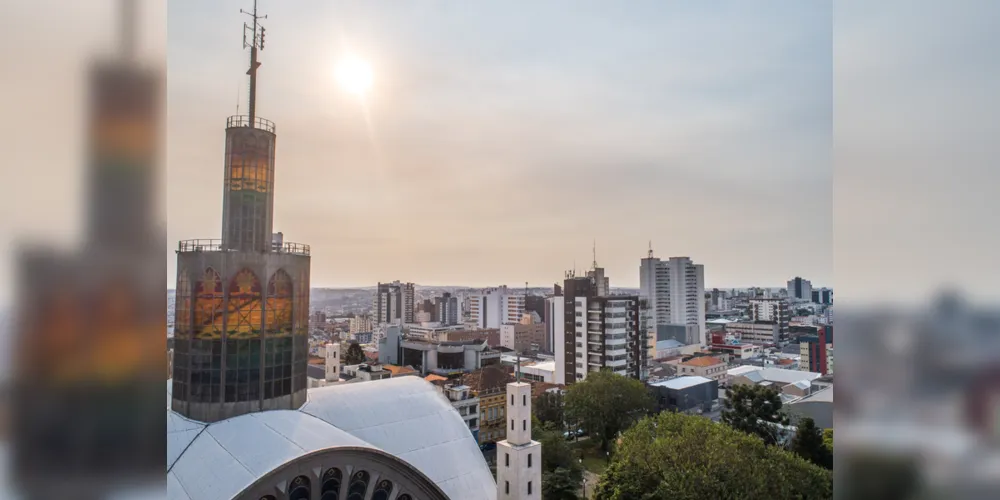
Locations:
(548, 407)
(354, 355)
(676, 456)
(808, 444)
(605, 404)
(754, 409)
(561, 471)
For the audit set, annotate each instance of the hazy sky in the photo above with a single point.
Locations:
(502, 138)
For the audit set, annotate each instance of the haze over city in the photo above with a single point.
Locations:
(496, 143)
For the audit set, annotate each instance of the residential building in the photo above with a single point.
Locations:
(816, 352)
(822, 296)
(611, 338)
(771, 311)
(799, 289)
(446, 309)
(362, 337)
(366, 372)
(535, 304)
(360, 323)
(763, 333)
(601, 281)
(686, 393)
(710, 367)
(489, 385)
(555, 332)
(576, 291)
(519, 458)
(492, 307)
(465, 403)
(537, 371)
(393, 303)
(524, 336)
(674, 291)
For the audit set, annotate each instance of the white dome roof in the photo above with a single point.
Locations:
(405, 417)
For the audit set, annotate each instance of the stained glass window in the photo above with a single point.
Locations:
(182, 305)
(208, 306)
(279, 303)
(245, 311)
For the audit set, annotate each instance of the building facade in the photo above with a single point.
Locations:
(489, 385)
(800, 289)
(492, 307)
(393, 303)
(446, 309)
(519, 458)
(524, 336)
(608, 337)
(674, 291)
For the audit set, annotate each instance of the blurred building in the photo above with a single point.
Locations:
(492, 307)
(822, 296)
(816, 352)
(446, 310)
(799, 289)
(360, 323)
(393, 303)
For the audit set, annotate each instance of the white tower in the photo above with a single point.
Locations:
(332, 362)
(519, 459)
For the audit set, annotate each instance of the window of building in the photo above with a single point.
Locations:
(524, 425)
(529, 487)
(524, 400)
(512, 424)
(506, 487)
(506, 457)
(512, 400)
(529, 459)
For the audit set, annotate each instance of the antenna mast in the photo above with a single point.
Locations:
(650, 249)
(256, 43)
(595, 254)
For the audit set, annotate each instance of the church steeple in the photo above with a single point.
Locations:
(519, 467)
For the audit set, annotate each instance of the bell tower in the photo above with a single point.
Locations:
(519, 459)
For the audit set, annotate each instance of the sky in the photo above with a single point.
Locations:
(502, 140)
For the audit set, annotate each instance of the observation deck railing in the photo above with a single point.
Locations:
(244, 121)
(215, 245)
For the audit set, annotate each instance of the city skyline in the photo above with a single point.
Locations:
(475, 163)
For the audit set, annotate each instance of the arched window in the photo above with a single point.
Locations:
(208, 306)
(383, 490)
(182, 307)
(358, 486)
(331, 484)
(279, 303)
(300, 489)
(245, 307)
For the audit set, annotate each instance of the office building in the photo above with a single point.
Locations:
(799, 289)
(608, 337)
(822, 296)
(446, 309)
(393, 303)
(674, 291)
(770, 311)
(492, 307)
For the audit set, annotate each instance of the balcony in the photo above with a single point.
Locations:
(244, 121)
(215, 245)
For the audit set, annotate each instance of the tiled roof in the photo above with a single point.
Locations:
(399, 370)
(703, 361)
(488, 379)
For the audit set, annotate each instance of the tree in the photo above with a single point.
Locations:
(828, 439)
(755, 409)
(808, 444)
(548, 407)
(673, 455)
(559, 485)
(606, 404)
(354, 355)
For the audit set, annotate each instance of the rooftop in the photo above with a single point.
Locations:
(682, 382)
(780, 375)
(703, 361)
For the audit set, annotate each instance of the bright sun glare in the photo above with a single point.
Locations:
(355, 75)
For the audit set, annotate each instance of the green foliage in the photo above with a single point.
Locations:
(808, 444)
(605, 404)
(548, 407)
(828, 439)
(559, 484)
(676, 456)
(354, 355)
(754, 409)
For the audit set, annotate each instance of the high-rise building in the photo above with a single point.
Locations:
(674, 291)
(816, 352)
(519, 458)
(771, 311)
(360, 323)
(555, 334)
(570, 348)
(241, 335)
(446, 309)
(799, 289)
(613, 339)
(393, 303)
(492, 307)
(822, 296)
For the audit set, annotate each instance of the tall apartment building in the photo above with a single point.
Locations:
(799, 289)
(360, 323)
(555, 319)
(446, 309)
(596, 333)
(393, 303)
(771, 311)
(674, 291)
(601, 281)
(497, 306)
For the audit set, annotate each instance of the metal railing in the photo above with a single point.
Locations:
(244, 121)
(215, 245)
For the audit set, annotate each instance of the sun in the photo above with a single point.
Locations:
(354, 75)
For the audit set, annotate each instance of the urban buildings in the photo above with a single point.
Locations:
(686, 393)
(800, 289)
(393, 303)
(492, 307)
(360, 323)
(816, 351)
(822, 296)
(555, 319)
(446, 309)
(523, 336)
(674, 291)
(519, 458)
(710, 367)
(489, 385)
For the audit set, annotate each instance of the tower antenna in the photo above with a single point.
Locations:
(256, 44)
(650, 249)
(595, 253)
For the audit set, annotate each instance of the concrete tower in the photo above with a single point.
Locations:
(241, 336)
(332, 362)
(519, 466)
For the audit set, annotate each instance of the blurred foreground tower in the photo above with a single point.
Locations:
(242, 302)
